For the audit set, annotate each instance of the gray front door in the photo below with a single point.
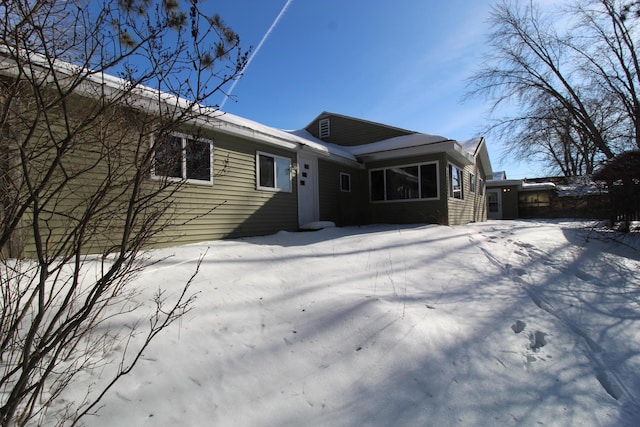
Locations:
(308, 209)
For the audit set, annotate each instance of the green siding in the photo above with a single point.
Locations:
(343, 208)
(349, 131)
(85, 166)
(473, 207)
(233, 207)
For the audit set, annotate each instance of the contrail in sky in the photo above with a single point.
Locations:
(255, 52)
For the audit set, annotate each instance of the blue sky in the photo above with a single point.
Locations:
(403, 63)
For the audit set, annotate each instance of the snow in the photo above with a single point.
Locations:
(471, 145)
(396, 143)
(333, 149)
(317, 225)
(581, 186)
(532, 186)
(503, 323)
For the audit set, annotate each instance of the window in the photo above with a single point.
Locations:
(324, 128)
(273, 172)
(472, 183)
(410, 182)
(182, 157)
(534, 199)
(456, 183)
(345, 182)
(481, 182)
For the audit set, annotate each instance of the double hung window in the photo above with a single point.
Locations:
(456, 182)
(184, 158)
(273, 172)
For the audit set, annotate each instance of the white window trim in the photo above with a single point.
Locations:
(183, 166)
(275, 172)
(348, 190)
(473, 183)
(450, 183)
(435, 162)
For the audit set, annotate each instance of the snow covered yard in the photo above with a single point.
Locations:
(503, 323)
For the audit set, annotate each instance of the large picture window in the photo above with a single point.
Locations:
(273, 172)
(184, 158)
(456, 182)
(406, 182)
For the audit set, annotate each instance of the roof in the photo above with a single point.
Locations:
(499, 175)
(472, 145)
(406, 142)
(97, 85)
(396, 143)
(104, 85)
(326, 114)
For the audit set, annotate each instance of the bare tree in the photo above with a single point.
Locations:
(550, 136)
(77, 153)
(576, 70)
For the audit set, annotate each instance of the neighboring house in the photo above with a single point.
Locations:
(552, 197)
(502, 196)
(244, 178)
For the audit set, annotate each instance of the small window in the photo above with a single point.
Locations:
(182, 157)
(345, 182)
(324, 128)
(481, 185)
(472, 183)
(273, 172)
(456, 183)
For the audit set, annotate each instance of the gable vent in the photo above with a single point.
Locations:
(323, 128)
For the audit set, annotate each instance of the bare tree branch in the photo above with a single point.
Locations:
(78, 149)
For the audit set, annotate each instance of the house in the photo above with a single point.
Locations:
(550, 197)
(400, 176)
(242, 178)
(502, 196)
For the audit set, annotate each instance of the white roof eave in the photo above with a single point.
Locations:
(98, 85)
(449, 146)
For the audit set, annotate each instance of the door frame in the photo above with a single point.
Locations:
(497, 214)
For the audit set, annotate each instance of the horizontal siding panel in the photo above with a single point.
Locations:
(343, 208)
(473, 207)
(350, 131)
(231, 207)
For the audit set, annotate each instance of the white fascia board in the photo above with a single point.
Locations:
(482, 153)
(96, 85)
